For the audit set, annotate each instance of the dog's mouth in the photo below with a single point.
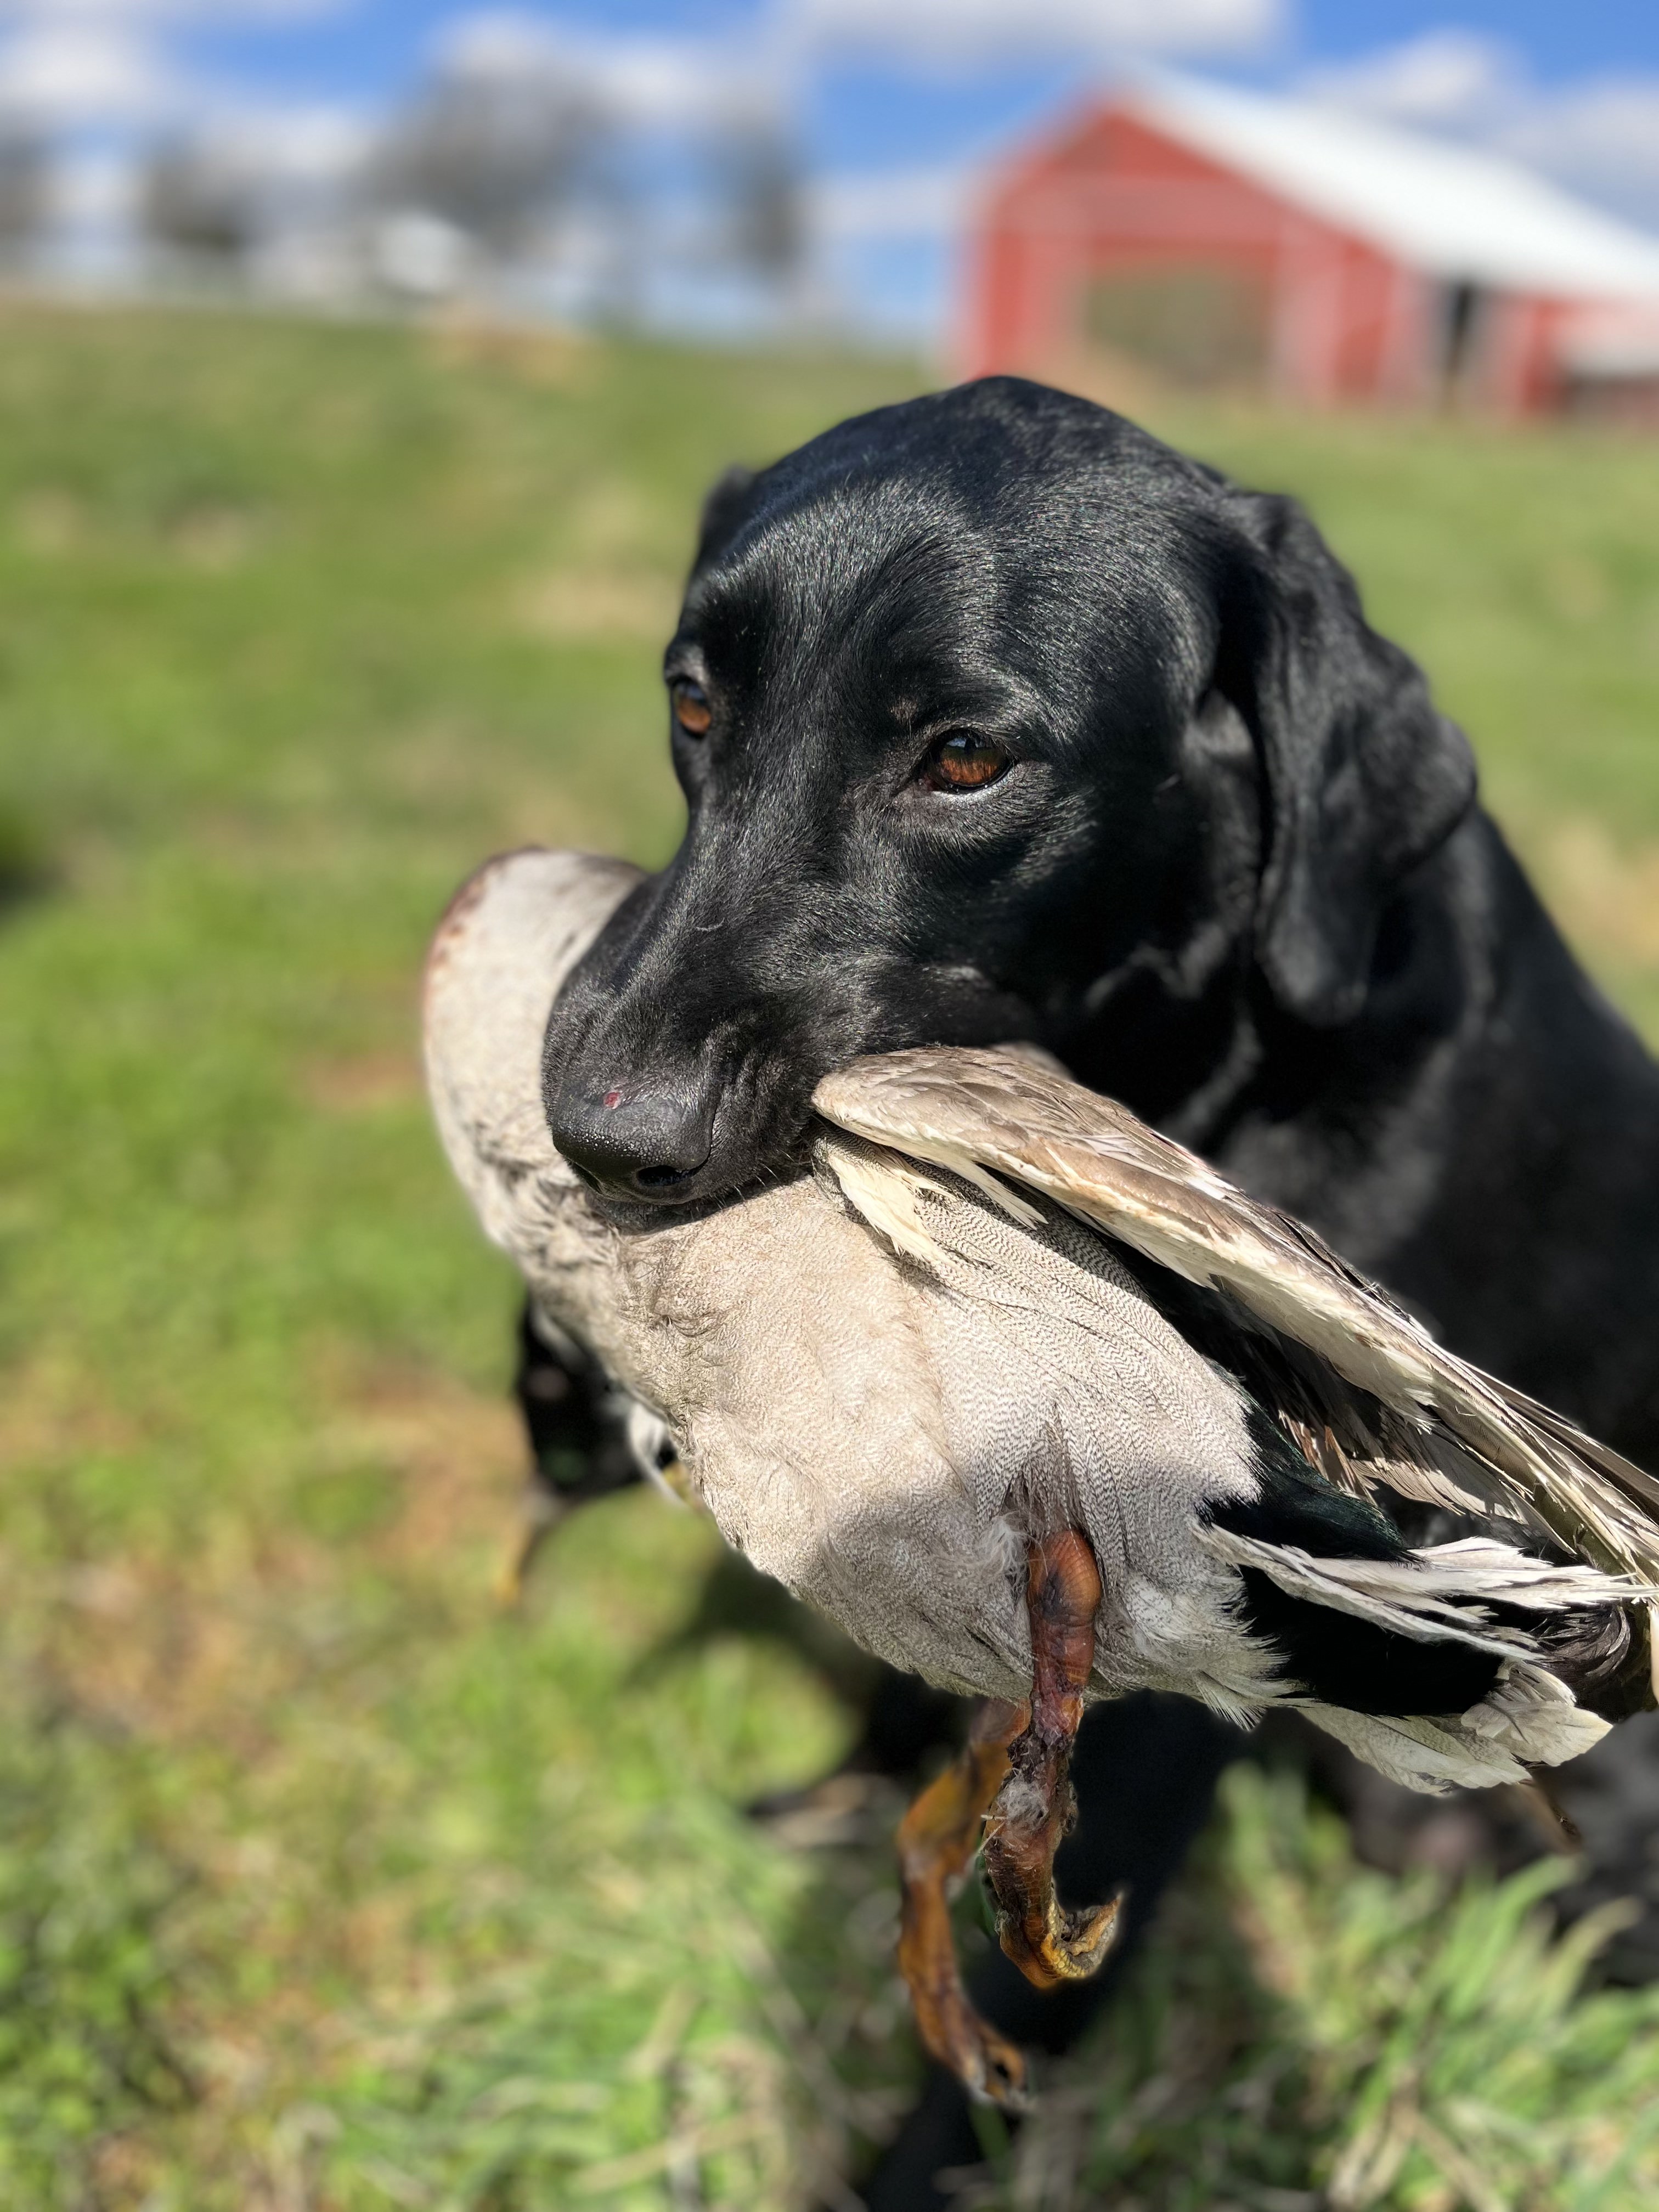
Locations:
(636, 1215)
(652, 1180)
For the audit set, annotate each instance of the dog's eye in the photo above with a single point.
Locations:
(691, 708)
(965, 761)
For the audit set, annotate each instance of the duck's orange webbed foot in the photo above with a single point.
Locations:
(937, 1839)
(1033, 1806)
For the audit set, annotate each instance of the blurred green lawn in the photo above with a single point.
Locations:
(321, 1884)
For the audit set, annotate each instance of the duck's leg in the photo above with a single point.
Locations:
(937, 1839)
(1033, 1806)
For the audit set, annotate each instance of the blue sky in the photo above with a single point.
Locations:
(371, 48)
(892, 102)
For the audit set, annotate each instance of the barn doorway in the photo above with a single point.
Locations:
(1462, 330)
(1196, 322)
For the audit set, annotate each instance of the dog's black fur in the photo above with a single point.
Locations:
(1235, 877)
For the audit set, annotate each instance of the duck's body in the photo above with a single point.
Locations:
(885, 1383)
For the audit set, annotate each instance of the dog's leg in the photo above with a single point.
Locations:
(538, 1514)
(576, 1424)
(1033, 1806)
(937, 1839)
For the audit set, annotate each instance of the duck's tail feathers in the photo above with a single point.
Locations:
(1443, 1590)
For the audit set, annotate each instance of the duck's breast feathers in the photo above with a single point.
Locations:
(1040, 1332)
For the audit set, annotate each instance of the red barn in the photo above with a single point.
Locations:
(1216, 236)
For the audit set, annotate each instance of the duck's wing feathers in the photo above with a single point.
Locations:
(1362, 1386)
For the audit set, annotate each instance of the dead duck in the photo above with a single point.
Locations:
(1032, 1402)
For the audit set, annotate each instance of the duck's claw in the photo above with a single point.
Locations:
(1065, 1946)
(938, 1839)
(986, 2064)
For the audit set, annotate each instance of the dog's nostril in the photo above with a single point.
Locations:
(631, 1142)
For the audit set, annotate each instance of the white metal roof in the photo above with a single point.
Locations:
(1614, 341)
(1452, 211)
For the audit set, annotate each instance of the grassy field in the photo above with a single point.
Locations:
(321, 1884)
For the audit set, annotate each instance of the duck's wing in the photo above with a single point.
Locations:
(1362, 1387)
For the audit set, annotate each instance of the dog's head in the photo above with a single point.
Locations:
(978, 703)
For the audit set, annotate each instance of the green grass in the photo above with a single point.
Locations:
(1310, 2035)
(320, 1883)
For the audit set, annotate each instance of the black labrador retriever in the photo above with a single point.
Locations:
(997, 718)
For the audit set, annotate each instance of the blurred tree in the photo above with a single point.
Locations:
(24, 181)
(200, 207)
(496, 156)
(761, 183)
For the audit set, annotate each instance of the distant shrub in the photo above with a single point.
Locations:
(24, 866)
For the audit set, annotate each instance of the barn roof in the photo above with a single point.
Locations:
(1454, 212)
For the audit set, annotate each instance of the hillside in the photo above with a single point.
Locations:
(321, 1884)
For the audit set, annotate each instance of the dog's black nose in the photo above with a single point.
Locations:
(633, 1145)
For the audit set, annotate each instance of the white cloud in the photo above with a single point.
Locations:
(69, 65)
(643, 79)
(1602, 134)
(1598, 135)
(497, 41)
(63, 75)
(677, 81)
(66, 64)
(889, 204)
(950, 35)
(170, 11)
(1444, 78)
(292, 145)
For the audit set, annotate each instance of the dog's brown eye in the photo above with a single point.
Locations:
(691, 708)
(965, 761)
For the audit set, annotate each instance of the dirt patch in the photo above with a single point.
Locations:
(540, 354)
(50, 522)
(1606, 895)
(48, 1417)
(406, 1472)
(572, 605)
(364, 1083)
(461, 1458)
(615, 525)
(215, 539)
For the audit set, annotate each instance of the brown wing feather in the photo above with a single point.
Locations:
(1442, 1430)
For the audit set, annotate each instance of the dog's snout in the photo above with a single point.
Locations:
(632, 1144)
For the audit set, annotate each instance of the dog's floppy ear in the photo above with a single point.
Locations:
(723, 512)
(1364, 778)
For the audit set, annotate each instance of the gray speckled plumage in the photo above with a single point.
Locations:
(884, 1377)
